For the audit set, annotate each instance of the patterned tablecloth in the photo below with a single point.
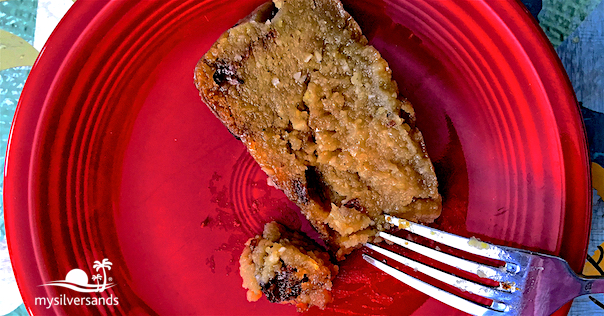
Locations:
(575, 28)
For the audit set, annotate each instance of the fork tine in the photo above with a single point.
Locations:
(473, 246)
(462, 284)
(483, 271)
(430, 290)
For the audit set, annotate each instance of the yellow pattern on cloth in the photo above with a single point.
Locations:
(597, 178)
(590, 269)
(15, 51)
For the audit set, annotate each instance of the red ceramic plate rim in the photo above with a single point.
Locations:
(573, 138)
(574, 141)
(17, 176)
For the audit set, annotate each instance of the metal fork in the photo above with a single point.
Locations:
(530, 283)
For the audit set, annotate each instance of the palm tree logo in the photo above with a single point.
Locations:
(97, 278)
(77, 279)
(106, 264)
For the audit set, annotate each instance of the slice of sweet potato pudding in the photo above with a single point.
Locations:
(317, 108)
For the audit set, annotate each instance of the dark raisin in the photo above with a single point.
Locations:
(283, 287)
(318, 190)
(268, 40)
(254, 242)
(226, 73)
(355, 204)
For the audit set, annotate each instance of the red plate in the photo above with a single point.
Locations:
(113, 155)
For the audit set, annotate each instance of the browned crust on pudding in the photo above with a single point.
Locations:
(287, 267)
(317, 108)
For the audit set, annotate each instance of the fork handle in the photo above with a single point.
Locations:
(592, 285)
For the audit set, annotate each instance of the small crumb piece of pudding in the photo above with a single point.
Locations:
(287, 267)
